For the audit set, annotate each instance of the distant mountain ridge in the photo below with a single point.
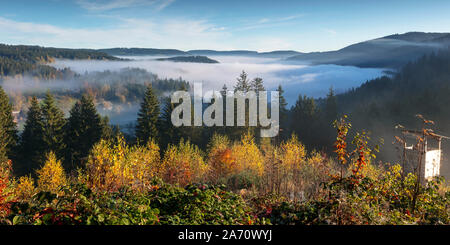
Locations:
(200, 52)
(143, 51)
(387, 52)
(190, 59)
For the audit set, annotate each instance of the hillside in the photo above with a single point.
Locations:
(21, 59)
(420, 87)
(391, 51)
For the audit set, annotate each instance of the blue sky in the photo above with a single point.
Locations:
(211, 24)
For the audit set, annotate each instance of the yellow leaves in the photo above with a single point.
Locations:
(51, 177)
(248, 156)
(25, 188)
(114, 165)
(292, 153)
(221, 161)
(183, 164)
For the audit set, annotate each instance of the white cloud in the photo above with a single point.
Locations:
(269, 22)
(174, 33)
(105, 5)
(330, 31)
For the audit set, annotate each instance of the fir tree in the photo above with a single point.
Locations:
(53, 125)
(331, 111)
(243, 84)
(283, 113)
(3, 156)
(169, 134)
(257, 85)
(148, 115)
(84, 129)
(9, 139)
(31, 141)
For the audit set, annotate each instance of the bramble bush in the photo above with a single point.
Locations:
(164, 204)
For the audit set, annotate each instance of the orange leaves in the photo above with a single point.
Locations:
(221, 160)
(342, 128)
(361, 156)
(5, 173)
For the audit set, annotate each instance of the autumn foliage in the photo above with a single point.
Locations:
(51, 177)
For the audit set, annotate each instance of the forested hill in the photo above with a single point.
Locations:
(392, 51)
(21, 59)
(377, 106)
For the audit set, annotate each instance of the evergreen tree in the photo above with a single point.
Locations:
(331, 110)
(53, 126)
(304, 120)
(3, 156)
(9, 139)
(283, 113)
(169, 134)
(148, 115)
(31, 141)
(257, 85)
(243, 84)
(84, 129)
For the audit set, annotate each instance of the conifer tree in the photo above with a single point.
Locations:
(283, 113)
(331, 111)
(32, 145)
(148, 116)
(84, 129)
(243, 84)
(257, 85)
(9, 140)
(169, 134)
(53, 126)
(3, 157)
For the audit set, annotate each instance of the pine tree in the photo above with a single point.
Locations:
(283, 113)
(53, 124)
(243, 84)
(304, 118)
(84, 128)
(148, 115)
(3, 156)
(331, 111)
(9, 140)
(169, 134)
(32, 145)
(257, 85)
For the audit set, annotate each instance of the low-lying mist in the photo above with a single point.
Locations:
(296, 79)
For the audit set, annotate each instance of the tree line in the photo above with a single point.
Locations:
(22, 59)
